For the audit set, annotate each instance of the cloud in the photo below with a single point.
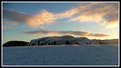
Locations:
(34, 21)
(11, 22)
(7, 28)
(72, 33)
(72, 11)
(67, 14)
(41, 18)
(16, 17)
(99, 35)
(104, 13)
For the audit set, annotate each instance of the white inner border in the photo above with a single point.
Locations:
(60, 65)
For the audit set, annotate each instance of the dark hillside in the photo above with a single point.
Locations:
(15, 43)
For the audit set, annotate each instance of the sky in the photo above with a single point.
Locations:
(29, 20)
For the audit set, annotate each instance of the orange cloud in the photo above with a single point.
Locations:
(68, 13)
(104, 13)
(72, 33)
(44, 17)
(99, 35)
(34, 21)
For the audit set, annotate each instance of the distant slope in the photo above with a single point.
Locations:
(61, 40)
(15, 43)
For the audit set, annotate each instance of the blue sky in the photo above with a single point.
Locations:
(32, 8)
(22, 21)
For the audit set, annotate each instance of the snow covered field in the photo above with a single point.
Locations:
(61, 55)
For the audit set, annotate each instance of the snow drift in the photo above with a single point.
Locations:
(61, 55)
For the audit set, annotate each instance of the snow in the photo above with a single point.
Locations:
(61, 40)
(61, 55)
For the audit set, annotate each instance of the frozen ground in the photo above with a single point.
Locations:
(61, 55)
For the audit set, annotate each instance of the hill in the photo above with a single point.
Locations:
(60, 40)
(15, 43)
